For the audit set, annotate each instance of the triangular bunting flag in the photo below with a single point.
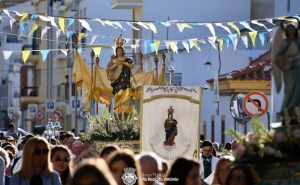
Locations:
(167, 44)
(143, 25)
(117, 24)
(69, 33)
(146, 42)
(262, 38)
(152, 27)
(7, 54)
(224, 27)
(194, 43)
(152, 47)
(61, 22)
(259, 24)
(220, 41)
(44, 31)
(71, 21)
(64, 51)
(107, 22)
(212, 41)
(24, 17)
(157, 43)
(94, 39)
(97, 51)
(211, 28)
(226, 40)
(79, 50)
(25, 55)
(85, 24)
(246, 25)
(80, 36)
(245, 40)
(173, 45)
(253, 37)
(234, 27)
(186, 45)
(34, 27)
(44, 54)
(232, 36)
(133, 27)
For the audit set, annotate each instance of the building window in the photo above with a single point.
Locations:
(11, 3)
(12, 39)
(177, 79)
(222, 129)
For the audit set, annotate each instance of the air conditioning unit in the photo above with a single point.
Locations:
(70, 62)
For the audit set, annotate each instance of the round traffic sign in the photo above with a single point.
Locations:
(15, 116)
(57, 114)
(82, 113)
(256, 103)
(39, 115)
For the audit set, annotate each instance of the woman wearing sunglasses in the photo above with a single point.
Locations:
(60, 158)
(36, 166)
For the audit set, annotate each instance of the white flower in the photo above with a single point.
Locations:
(104, 132)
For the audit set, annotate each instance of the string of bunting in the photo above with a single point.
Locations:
(153, 44)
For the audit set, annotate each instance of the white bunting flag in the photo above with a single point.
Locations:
(143, 25)
(167, 44)
(7, 54)
(180, 28)
(270, 21)
(64, 51)
(11, 21)
(99, 20)
(224, 27)
(53, 22)
(212, 41)
(211, 28)
(44, 18)
(94, 38)
(57, 35)
(85, 24)
(235, 42)
(114, 48)
(7, 13)
(127, 40)
(19, 14)
(259, 24)
(245, 40)
(133, 27)
(191, 43)
(44, 31)
(186, 45)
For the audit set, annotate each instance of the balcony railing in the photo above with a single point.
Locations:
(30, 91)
(31, 47)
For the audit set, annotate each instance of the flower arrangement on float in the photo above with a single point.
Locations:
(262, 148)
(115, 127)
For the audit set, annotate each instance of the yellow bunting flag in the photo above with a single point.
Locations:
(108, 23)
(220, 44)
(24, 17)
(234, 27)
(253, 36)
(97, 51)
(61, 22)
(157, 43)
(25, 55)
(173, 46)
(151, 26)
(34, 27)
(80, 36)
(185, 25)
(288, 19)
(194, 42)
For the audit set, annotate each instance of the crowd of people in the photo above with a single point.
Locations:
(34, 160)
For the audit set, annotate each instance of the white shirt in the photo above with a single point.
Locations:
(17, 166)
(214, 161)
(17, 155)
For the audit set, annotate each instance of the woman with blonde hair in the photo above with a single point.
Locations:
(222, 169)
(92, 172)
(36, 166)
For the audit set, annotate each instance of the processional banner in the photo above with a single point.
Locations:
(170, 121)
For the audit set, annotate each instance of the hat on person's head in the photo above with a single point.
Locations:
(207, 143)
(10, 138)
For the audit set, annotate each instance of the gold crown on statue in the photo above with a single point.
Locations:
(170, 110)
(120, 41)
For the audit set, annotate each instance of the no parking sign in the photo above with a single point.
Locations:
(255, 103)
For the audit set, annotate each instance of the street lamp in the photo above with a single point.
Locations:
(49, 129)
(56, 129)
(171, 68)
